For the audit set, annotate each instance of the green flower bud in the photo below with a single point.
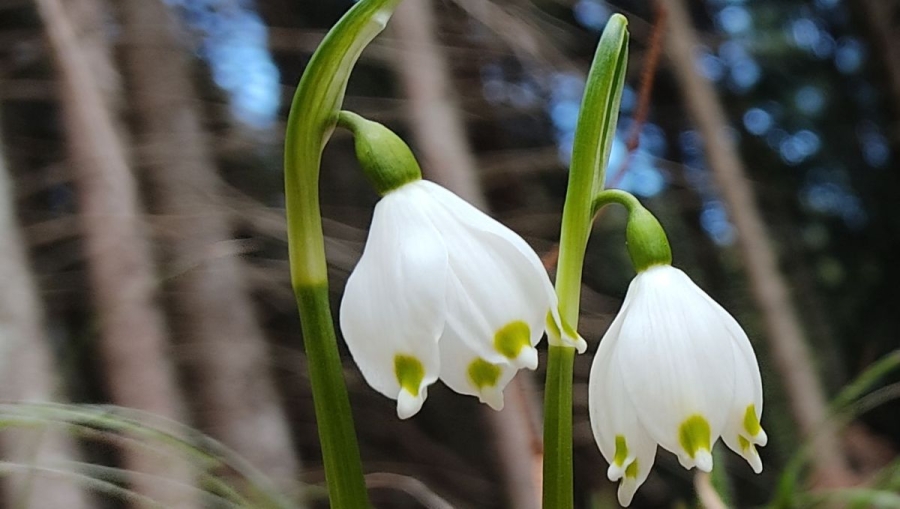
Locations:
(386, 159)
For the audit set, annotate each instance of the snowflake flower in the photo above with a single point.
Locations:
(674, 370)
(443, 291)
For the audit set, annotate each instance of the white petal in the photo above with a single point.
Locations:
(529, 264)
(464, 371)
(677, 362)
(394, 304)
(610, 409)
(623, 440)
(408, 404)
(751, 379)
(560, 333)
(742, 431)
(745, 448)
(496, 280)
(475, 219)
(748, 383)
(639, 471)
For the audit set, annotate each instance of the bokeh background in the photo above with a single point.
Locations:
(143, 258)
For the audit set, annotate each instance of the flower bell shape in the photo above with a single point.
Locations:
(443, 291)
(675, 370)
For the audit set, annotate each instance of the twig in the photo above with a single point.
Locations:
(707, 494)
(651, 64)
(409, 485)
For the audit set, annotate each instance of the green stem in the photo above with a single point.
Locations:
(314, 112)
(865, 381)
(343, 468)
(558, 429)
(647, 243)
(593, 142)
(609, 196)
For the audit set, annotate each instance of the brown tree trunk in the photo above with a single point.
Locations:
(227, 355)
(882, 18)
(784, 331)
(440, 136)
(132, 342)
(438, 128)
(29, 374)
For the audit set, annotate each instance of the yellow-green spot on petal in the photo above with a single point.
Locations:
(568, 329)
(693, 434)
(512, 338)
(744, 443)
(751, 422)
(621, 451)
(409, 372)
(631, 471)
(483, 374)
(552, 328)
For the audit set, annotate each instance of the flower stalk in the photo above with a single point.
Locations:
(647, 242)
(312, 118)
(593, 141)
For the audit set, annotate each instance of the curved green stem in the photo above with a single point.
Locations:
(314, 112)
(609, 196)
(593, 142)
(647, 242)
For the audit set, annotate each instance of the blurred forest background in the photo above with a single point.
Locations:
(143, 260)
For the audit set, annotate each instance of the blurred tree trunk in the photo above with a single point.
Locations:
(228, 356)
(440, 136)
(437, 124)
(28, 373)
(784, 331)
(132, 342)
(882, 18)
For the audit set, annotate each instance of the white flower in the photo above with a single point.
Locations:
(443, 291)
(675, 370)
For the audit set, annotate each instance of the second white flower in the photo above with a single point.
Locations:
(675, 370)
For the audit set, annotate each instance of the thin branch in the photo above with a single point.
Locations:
(648, 73)
(706, 492)
(409, 485)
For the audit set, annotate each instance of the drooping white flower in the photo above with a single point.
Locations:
(443, 291)
(675, 370)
